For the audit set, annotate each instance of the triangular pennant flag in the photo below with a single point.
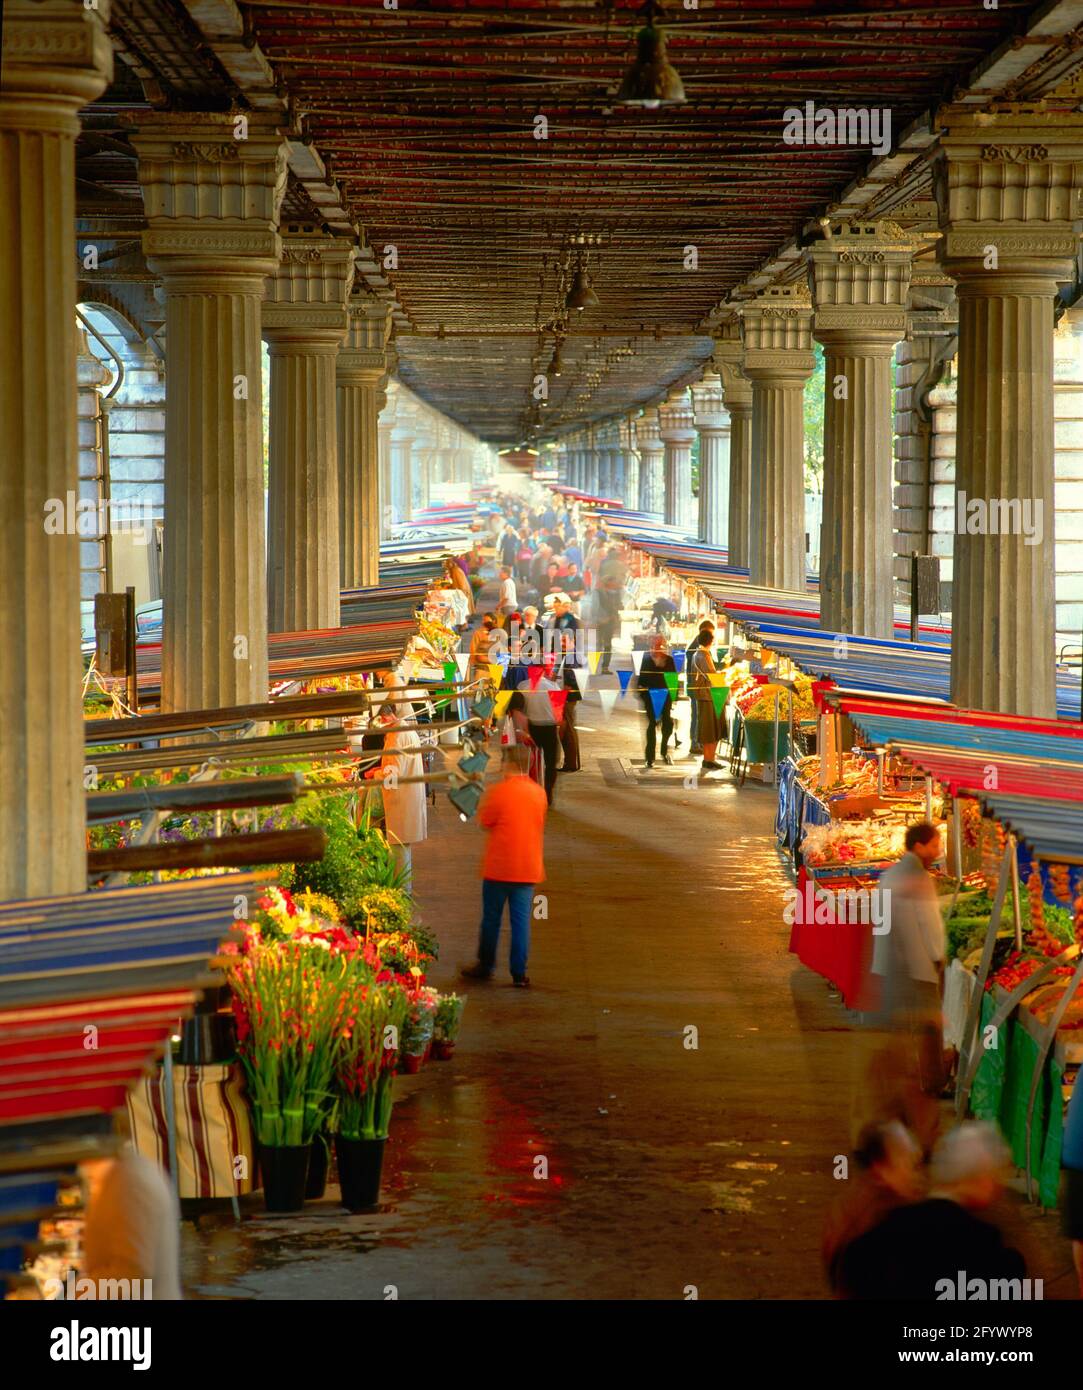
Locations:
(462, 660)
(582, 678)
(679, 657)
(658, 700)
(719, 696)
(637, 661)
(593, 658)
(672, 681)
(624, 676)
(503, 699)
(450, 670)
(558, 699)
(716, 677)
(535, 675)
(496, 672)
(607, 699)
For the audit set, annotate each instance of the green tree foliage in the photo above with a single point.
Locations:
(814, 425)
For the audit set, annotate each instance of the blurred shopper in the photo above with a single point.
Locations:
(507, 602)
(132, 1228)
(708, 720)
(569, 662)
(513, 815)
(509, 546)
(405, 806)
(923, 1250)
(609, 601)
(482, 646)
(694, 745)
(652, 677)
(456, 576)
(888, 1174)
(536, 721)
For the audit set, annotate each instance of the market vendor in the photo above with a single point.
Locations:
(405, 806)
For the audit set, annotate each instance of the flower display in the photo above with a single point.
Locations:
(449, 1016)
(385, 909)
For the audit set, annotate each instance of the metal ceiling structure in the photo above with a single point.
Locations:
(483, 141)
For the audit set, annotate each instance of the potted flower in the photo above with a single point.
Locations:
(372, 1031)
(449, 1016)
(288, 998)
(418, 1028)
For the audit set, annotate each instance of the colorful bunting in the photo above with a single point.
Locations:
(719, 698)
(503, 699)
(450, 670)
(593, 658)
(462, 660)
(558, 699)
(717, 677)
(637, 661)
(624, 676)
(534, 673)
(679, 658)
(496, 672)
(607, 699)
(672, 682)
(582, 678)
(658, 700)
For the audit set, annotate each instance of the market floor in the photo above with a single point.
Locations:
(656, 1117)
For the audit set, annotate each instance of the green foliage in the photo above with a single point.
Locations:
(814, 424)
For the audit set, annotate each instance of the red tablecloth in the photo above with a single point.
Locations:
(840, 951)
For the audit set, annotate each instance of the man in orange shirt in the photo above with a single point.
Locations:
(513, 814)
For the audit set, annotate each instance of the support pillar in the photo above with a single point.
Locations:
(1008, 184)
(304, 321)
(385, 424)
(777, 330)
(713, 425)
(650, 447)
(402, 462)
(737, 397)
(56, 58)
(678, 433)
(359, 378)
(212, 205)
(630, 491)
(860, 278)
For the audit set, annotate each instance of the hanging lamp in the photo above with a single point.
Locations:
(652, 80)
(581, 295)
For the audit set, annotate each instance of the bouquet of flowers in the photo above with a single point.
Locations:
(449, 1017)
(288, 1000)
(385, 909)
(371, 1035)
(420, 1021)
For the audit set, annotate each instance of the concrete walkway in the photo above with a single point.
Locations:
(577, 1147)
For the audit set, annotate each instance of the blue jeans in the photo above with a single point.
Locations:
(519, 897)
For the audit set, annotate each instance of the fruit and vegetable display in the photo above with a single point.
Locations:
(756, 699)
(877, 840)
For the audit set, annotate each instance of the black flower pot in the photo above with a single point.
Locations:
(359, 1164)
(318, 1161)
(285, 1172)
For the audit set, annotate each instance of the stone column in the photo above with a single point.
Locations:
(385, 424)
(737, 397)
(56, 59)
(713, 425)
(777, 329)
(402, 461)
(359, 377)
(650, 447)
(212, 204)
(1007, 182)
(630, 491)
(304, 321)
(860, 277)
(678, 431)
(424, 453)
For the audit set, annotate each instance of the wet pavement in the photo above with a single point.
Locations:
(656, 1117)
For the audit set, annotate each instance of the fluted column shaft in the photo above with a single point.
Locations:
(856, 582)
(1003, 612)
(303, 566)
(714, 486)
(357, 397)
(402, 476)
(777, 505)
(386, 507)
(651, 479)
(42, 801)
(740, 480)
(631, 480)
(679, 506)
(214, 577)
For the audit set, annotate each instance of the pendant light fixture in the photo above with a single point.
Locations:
(581, 295)
(651, 81)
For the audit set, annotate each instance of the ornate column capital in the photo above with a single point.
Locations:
(362, 358)
(776, 330)
(859, 276)
(1007, 181)
(57, 59)
(676, 419)
(212, 201)
(648, 432)
(307, 294)
(626, 434)
(710, 411)
(728, 360)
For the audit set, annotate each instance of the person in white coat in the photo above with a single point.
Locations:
(406, 820)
